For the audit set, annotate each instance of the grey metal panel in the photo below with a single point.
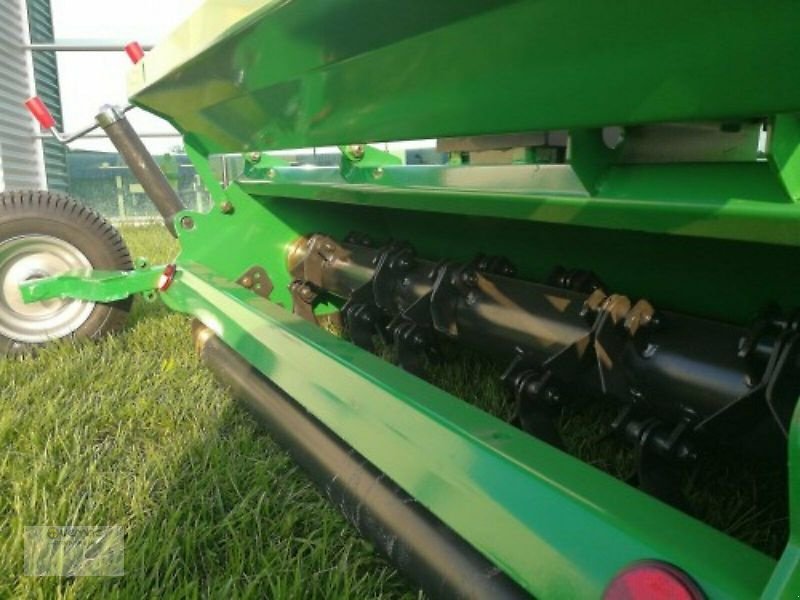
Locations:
(40, 21)
(20, 152)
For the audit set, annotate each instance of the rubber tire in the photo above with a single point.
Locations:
(59, 216)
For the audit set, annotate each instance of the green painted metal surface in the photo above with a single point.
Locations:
(559, 527)
(739, 202)
(785, 581)
(430, 72)
(272, 74)
(92, 286)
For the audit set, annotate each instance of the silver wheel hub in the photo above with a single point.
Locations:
(33, 257)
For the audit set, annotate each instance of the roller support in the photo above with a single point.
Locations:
(417, 542)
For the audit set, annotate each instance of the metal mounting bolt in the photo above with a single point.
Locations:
(470, 278)
(271, 173)
(306, 293)
(403, 263)
(551, 396)
(226, 208)
(187, 222)
(254, 157)
(377, 173)
(247, 282)
(356, 151)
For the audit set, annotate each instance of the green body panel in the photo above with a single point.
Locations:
(785, 581)
(272, 74)
(740, 202)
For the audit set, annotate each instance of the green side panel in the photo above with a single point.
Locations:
(785, 581)
(265, 74)
(45, 70)
(559, 527)
(735, 201)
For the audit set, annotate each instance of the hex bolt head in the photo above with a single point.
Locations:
(247, 282)
(470, 278)
(403, 263)
(356, 151)
(226, 208)
(551, 396)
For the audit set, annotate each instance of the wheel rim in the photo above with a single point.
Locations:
(34, 257)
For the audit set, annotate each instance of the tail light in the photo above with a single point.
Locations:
(652, 580)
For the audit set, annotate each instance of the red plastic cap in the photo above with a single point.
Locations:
(652, 580)
(166, 278)
(135, 52)
(40, 112)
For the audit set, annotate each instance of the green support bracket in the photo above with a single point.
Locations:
(263, 160)
(199, 157)
(589, 156)
(784, 150)
(92, 286)
(363, 158)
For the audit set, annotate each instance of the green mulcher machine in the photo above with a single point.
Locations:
(617, 226)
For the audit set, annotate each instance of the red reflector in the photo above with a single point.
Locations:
(135, 52)
(40, 112)
(166, 278)
(652, 580)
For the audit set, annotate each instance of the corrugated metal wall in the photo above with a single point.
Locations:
(45, 68)
(21, 153)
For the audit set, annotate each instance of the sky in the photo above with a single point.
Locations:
(91, 79)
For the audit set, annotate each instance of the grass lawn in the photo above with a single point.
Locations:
(133, 431)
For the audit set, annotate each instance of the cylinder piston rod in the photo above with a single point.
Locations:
(141, 163)
(680, 379)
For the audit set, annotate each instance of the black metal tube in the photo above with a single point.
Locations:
(412, 538)
(141, 164)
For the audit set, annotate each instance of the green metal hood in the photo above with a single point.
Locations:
(267, 74)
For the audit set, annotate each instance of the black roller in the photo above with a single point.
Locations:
(681, 381)
(413, 539)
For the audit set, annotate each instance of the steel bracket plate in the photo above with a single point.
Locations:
(91, 285)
